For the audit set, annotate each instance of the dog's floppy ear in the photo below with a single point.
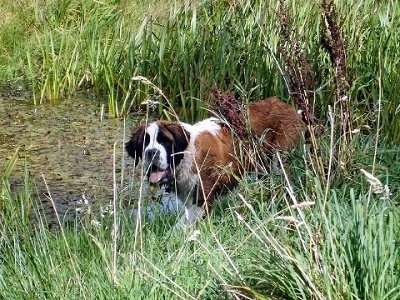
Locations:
(181, 136)
(135, 145)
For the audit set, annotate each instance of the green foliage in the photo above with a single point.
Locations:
(306, 238)
(276, 240)
(15, 204)
(186, 48)
(344, 249)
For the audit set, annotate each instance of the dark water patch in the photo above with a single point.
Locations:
(70, 146)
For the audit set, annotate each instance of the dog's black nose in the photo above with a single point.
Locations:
(151, 154)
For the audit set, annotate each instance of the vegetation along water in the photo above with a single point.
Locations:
(77, 75)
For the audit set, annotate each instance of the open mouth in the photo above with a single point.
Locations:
(158, 175)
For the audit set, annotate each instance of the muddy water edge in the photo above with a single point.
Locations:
(70, 147)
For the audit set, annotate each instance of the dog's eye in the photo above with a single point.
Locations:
(146, 140)
(166, 143)
(164, 140)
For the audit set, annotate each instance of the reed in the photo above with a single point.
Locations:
(99, 46)
(15, 206)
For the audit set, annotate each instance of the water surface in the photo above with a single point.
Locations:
(70, 146)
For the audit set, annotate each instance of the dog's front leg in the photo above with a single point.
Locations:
(191, 215)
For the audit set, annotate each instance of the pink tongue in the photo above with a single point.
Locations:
(156, 176)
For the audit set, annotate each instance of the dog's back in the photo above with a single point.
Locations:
(277, 123)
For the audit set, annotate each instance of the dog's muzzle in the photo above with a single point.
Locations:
(152, 166)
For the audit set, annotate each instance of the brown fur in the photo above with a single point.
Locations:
(218, 164)
(276, 122)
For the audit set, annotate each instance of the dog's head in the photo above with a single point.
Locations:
(161, 145)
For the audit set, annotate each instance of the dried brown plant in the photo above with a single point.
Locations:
(232, 110)
(301, 78)
(333, 42)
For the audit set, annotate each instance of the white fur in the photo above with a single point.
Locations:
(169, 204)
(152, 130)
(186, 179)
(211, 125)
(193, 213)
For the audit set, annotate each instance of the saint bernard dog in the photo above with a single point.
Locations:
(198, 162)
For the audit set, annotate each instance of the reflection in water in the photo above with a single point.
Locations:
(70, 146)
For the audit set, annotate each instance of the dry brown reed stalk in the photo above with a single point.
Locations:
(234, 113)
(333, 42)
(230, 108)
(301, 78)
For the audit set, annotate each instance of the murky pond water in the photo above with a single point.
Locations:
(70, 146)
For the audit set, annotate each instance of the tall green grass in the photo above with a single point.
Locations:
(186, 47)
(261, 242)
(304, 238)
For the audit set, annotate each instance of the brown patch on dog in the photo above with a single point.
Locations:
(277, 122)
(134, 146)
(176, 134)
(218, 164)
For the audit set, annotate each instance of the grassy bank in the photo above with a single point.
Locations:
(262, 242)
